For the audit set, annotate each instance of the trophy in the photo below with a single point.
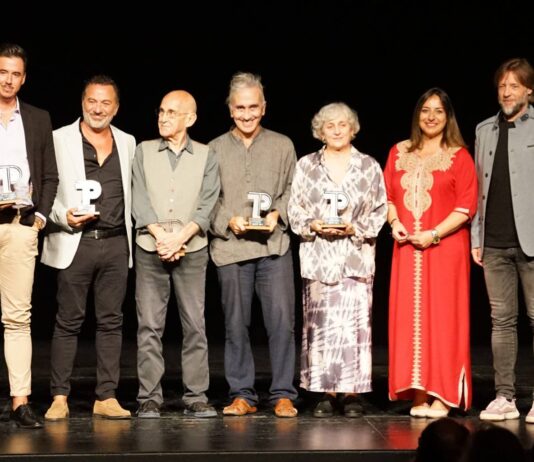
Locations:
(338, 201)
(90, 189)
(260, 203)
(173, 226)
(9, 178)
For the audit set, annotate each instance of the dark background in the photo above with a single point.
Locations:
(377, 56)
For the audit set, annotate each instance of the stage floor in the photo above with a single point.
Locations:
(386, 432)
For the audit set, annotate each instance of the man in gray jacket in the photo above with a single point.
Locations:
(175, 187)
(502, 234)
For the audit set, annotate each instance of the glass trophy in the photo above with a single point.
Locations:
(338, 201)
(261, 202)
(90, 190)
(9, 177)
(23, 197)
(173, 226)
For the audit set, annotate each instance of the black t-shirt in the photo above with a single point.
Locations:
(500, 231)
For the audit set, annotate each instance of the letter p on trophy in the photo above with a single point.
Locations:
(9, 177)
(338, 201)
(261, 202)
(90, 189)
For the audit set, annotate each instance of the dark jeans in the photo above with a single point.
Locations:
(103, 262)
(503, 268)
(272, 278)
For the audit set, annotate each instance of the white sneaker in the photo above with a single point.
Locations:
(530, 415)
(501, 409)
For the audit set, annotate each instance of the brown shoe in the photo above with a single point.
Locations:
(239, 407)
(59, 410)
(110, 409)
(284, 408)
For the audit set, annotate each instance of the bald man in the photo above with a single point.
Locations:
(175, 187)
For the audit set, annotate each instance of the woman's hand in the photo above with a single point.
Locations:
(422, 239)
(399, 232)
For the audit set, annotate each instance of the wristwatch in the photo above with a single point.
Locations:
(435, 236)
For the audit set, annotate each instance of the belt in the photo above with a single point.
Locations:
(104, 233)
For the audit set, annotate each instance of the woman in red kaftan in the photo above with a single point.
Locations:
(432, 194)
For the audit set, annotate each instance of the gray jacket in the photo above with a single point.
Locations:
(521, 161)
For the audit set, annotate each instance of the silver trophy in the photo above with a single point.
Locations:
(173, 226)
(338, 201)
(90, 189)
(10, 176)
(261, 202)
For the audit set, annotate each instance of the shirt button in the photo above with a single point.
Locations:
(170, 210)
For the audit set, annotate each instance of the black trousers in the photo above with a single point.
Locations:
(104, 263)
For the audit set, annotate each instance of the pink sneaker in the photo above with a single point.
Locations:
(501, 409)
(530, 415)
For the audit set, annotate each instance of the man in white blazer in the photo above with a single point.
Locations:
(92, 245)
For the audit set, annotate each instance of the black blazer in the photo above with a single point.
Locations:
(42, 161)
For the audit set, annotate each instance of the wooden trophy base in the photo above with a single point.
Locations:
(81, 213)
(333, 226)
(257, 228)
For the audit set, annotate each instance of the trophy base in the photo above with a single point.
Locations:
(80, 213)
(334, 226)
(257, 228)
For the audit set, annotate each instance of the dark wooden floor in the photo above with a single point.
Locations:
(385, 433)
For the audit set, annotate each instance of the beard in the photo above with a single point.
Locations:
(512, 111)
(97, 124)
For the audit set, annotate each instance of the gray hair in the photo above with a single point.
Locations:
(242, 80)
(331, 111)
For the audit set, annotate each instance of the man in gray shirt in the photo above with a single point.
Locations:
(252, 158)
(502, 233)
(175, 186)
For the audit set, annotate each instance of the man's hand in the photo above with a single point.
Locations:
(237, 225)
(170, 246)
(476, 253)
(78, 222)
(271, 220)
(38, 223)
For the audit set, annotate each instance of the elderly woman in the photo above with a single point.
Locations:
(337, 261)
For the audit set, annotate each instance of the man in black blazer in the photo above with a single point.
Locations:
(27, 168)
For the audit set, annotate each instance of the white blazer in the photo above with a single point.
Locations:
(61, 241)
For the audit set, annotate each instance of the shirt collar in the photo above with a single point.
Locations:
(164, 144)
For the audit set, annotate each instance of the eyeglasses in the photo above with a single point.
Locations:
(171, 115)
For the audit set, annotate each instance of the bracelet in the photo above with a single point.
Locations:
(393, 221)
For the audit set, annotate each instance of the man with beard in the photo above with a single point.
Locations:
(252, 158)
(27, 161)
(502, 233)
(91, 247)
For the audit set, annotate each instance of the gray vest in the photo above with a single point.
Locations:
(173, 194)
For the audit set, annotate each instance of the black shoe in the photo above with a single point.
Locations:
(24, 417)
(200, 409)
(352, 407)
(148, 410)
(326, 407)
